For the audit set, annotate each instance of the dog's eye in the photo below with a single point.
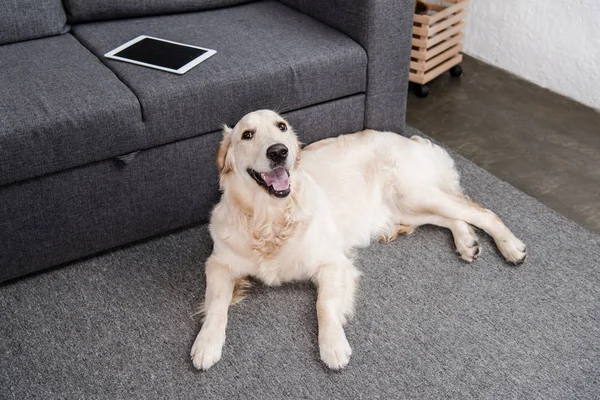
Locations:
(282, 127)
(247, 135)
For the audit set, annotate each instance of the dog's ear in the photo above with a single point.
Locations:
(224, 162)
(299, 147)
(298, 154)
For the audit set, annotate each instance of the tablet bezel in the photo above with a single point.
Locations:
(180, 71)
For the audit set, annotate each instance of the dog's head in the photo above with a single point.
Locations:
(262, 149)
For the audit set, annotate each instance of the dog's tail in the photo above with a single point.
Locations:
(449, 176)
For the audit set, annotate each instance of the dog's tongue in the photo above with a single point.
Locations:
(278, 178)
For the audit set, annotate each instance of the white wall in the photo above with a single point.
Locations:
(554, 43)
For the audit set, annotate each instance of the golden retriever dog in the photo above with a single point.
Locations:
(288, 214)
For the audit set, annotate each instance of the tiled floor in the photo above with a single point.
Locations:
(542, 143)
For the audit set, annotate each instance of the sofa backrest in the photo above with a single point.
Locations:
(102, 10)
(31, 19)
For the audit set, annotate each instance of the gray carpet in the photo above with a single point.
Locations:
(428, 325)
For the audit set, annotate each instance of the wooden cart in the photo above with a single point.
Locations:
(436, 43)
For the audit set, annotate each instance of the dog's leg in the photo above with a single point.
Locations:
(399, 229)
(455, 207)
(333, 345)
(351, 284)
(219, 291)
(240, 290)
(465, 239)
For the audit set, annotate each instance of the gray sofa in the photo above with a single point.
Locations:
(95, 153)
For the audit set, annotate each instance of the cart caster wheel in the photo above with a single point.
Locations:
(456, 71)
(420, 90)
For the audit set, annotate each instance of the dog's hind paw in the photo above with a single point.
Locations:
(512, 249)
(467, 245)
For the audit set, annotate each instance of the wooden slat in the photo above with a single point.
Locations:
(442, 68)
(418, 54)
(436, 7)
(422, 19)
(417, 65)
(419, 42)
(435, 61)
(448, 11)
(434, 51)
(429, 43)
(437, 28)
(416, 78)
(427, 19)
(418, 30)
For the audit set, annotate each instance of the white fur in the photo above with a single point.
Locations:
(344, 192)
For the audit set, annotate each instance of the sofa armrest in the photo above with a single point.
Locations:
(384, 29)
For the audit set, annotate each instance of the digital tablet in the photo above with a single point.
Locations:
(161, 54)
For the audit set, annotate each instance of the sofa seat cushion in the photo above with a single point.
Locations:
(103, 10)
(268, 56)
(61, 107)
(30, 19)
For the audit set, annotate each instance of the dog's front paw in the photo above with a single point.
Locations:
(206, 350)
(334, 348)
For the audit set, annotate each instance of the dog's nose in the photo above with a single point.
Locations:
(277, 152)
